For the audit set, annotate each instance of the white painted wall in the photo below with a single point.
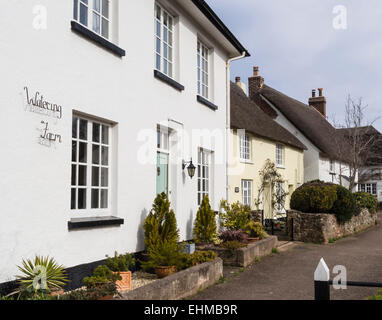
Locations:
(79, 75)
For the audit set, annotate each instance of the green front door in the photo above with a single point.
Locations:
(162, 173)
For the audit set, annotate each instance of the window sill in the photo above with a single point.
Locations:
(80, 29)
(246, 161)
(206, 102)
(161, 76)
(280, 167)
(94, 222)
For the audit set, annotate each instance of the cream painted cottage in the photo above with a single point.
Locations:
(105, 103)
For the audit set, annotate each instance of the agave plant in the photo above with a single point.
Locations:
(42, 274)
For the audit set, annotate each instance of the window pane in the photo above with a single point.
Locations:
(95, 177)
(105, 156)
(83, 152)
(105, 8)
(158, 62)
(73, 199)
(104, 199)
(81, 198)
(74, 151)
(96, 132)
(158, 49)
(105, 134)
(83, 14)
(96, 23)
(158, 12)
(96, 150)
(75, 12)
(105, 177)
(74, 175)
(95, 198)
(83, 129)
(82, 175)
(97, 6)
(105, 28)
(158, 29)
(74, 127)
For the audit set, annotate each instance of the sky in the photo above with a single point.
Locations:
(301, 45)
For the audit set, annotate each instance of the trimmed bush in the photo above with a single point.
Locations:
(345, 206)
(314, 197)
(205, 228)
(320, 197)
(366, 200)
(235, 216)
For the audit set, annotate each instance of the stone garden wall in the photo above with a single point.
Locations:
(321, 227)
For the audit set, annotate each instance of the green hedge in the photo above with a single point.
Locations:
(366, 200)
(321, 197)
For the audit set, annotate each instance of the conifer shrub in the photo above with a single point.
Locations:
(235, 216)
(205, 228)
(160, 225)
(345, 206)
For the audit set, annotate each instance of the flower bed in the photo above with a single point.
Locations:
(242, 257)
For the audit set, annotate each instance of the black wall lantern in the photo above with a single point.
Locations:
(190, 168)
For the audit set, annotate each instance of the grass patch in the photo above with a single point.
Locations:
(222, 280)
(378, 296)
(241, 270)
(275, 250)
(257, 259)
(333, 240)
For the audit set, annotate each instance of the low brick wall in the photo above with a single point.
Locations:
(180, 285)
(321, 227)
(243, 257)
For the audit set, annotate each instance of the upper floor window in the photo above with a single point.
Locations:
(245, 147)
(332, 166)
(95, 15)
(203, 54)
(279, 155)
(164, 41)
(90, 186)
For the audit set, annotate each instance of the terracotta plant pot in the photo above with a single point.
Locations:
(165, 271)
(109, 297)
(253, 240)
(125, 283)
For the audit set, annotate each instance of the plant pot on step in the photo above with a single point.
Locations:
(164, 271)
(189, 248)
(108, 297)
(125, 283)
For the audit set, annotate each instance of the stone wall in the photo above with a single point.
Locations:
(179, 285)
(321, 227)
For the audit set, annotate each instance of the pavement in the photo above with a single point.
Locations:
(288, 275)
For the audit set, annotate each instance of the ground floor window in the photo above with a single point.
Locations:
(204, 174)
(162, 160)
(246, 187)
(368, 187)
(90, 180)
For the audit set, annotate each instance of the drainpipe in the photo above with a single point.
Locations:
(228, 119)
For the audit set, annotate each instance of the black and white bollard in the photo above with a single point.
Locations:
(321, 281)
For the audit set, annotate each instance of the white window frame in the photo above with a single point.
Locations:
(246, 191)
(92, 11)
(203, 65)
(332, 166)
(280, 150)
(204, 176)
(90, 165)
(164, 41)
(245, 147)
(370, 188)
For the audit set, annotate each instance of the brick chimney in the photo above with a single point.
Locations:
(241, 85)
(319, 103)
(255, 83)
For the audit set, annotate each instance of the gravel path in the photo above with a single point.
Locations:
(289, 275)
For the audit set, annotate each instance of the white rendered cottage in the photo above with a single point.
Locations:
(101, 102)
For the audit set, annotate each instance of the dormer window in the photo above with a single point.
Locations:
(95, 15)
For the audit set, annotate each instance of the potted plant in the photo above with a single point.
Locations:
(255, 231)
(121, 264)
(164, 259)
(189, 247)
(102, 284)
(52, 277)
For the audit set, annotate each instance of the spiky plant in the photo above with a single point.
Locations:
(205, 227)
(42, 273)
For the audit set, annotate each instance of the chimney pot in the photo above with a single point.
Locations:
(320, 91)
(313, 93)
(238, 79)
(256, 71)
